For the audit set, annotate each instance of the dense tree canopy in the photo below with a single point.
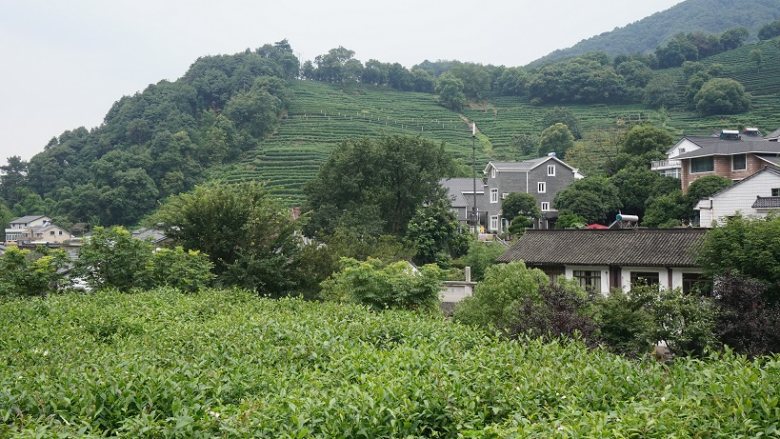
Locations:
(769, 31)
(722, 96)
(249, 237)
(594, 198)
(577, 81)
(556, 138)
(376, 185)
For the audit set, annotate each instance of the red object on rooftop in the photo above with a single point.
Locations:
(596, 227)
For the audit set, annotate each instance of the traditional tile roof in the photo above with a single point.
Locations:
(457, 186)
(774, 161)
(773, 135)
(717, 146)
(627, 247)
(767, 203)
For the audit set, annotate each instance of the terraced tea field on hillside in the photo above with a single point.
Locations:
(322, 115)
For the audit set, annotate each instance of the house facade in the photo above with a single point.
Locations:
(754, 196)
(732, 155)
(19, 228)
(543, 178)
(601, 260)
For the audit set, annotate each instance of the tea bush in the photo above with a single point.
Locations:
(230, 364)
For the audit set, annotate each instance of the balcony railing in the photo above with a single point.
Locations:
(657, 165)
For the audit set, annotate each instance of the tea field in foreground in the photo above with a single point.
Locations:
(229, 364)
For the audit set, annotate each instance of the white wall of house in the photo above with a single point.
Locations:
(600, 268)
(677, 275)
(737, 199)
(682, 147)
(663, 276)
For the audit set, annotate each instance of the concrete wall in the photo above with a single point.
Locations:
(455, 291)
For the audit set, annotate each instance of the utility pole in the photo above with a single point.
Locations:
(474, 214)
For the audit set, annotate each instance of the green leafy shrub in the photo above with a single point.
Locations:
(632, 322)
(480, 256)
(112, 258)
(188, 270)
(380, 286)
(497, 298)
(28, 273)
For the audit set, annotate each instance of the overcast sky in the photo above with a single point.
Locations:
(65, 62)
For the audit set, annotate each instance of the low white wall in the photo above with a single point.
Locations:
(455, 291)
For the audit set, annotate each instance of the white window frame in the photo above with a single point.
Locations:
(541, 187)
(551, 170)
(494, 196)
(545, 206)
(494, 223)
(504, 195)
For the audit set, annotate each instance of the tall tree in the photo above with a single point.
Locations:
(13, 178)
(376, 181)
(556, 138)
(450, 91)
(594, 198)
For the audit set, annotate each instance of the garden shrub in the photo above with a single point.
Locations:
(746, 321)
(384, 286)
(31, 273)
(564, 309)
(497, 298)
(185, 270)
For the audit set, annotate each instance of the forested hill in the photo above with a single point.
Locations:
(263, 115)
(711, 16)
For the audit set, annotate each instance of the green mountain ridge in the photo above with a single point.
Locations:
(710, 16)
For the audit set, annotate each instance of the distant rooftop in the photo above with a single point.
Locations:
(26, 219)
(717, 146)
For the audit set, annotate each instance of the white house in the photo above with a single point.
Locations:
(754, 196)
(670, 167)
(18, 227)
(601, 260)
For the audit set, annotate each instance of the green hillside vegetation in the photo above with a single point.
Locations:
(712, 16)
(321, 115)
(256, 116)
(230, 364)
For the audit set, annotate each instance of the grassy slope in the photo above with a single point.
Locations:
(223, 363)
(323, 115)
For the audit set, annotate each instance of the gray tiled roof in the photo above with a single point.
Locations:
(773, 135)
(519, 166)
(26, 219)
(716, 146)
(767, 203)
(633, 247)
(456, 186)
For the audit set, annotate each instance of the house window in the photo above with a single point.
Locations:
(541, 187)
(639, 278)
(551, 170)
(60, 232)
(51, 233)
(738, 162)
(494, 195)
(504, 195)
(776, 191)
(492, 172)
(702, 164)
(545, 206)
(695, 283)
(494, 223)
(590, 280)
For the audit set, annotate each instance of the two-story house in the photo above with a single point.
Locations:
(542, 177)
(735, 159)
(685, 147)
(19, 227)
